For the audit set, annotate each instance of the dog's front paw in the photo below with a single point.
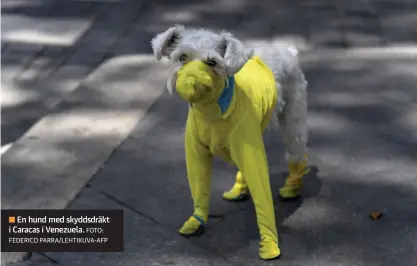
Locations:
(194, 226)
(269, 250)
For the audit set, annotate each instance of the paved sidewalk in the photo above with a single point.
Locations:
(49, 47)
(360, 145)
(60, 95)
(39, 70)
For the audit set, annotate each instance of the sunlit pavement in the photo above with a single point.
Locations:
(85, 108)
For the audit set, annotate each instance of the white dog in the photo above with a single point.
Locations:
(234, 92)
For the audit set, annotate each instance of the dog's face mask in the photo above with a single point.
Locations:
(200, 61)
(197, 82)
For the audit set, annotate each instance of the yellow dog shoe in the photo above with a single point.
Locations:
(237, 193)
(269, 250)
(291, 189)
(194, 226)
(293, 183)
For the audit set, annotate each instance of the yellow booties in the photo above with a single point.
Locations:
(194, 226)
(239, 191)
(293, 183)
(269, 250)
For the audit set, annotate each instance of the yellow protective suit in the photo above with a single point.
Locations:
(228, 122)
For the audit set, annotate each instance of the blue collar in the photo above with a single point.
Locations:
(226, 97)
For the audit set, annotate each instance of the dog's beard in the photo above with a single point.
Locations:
(172, 76)
(176, 66)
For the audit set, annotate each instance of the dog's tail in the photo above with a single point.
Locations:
(293, 77)
(293, 50)
(283, 59)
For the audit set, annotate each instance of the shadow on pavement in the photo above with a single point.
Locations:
(362, 137)
(126, 27)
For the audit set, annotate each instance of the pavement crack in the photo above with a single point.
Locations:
(216, 216)
(27, 65)
(48, 258)
(223, 215)
(129, 207)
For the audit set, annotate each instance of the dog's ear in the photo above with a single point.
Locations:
(236, 54)
(163, 43)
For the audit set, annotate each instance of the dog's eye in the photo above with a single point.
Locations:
(183, 58)
(211, 62)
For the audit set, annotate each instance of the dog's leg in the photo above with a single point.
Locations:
(199, 168)
(248, 152)
(239, 191)
(293, 125)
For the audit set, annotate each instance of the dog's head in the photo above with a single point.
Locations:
(200, 61)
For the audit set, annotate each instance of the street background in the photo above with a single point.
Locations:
(87, 123)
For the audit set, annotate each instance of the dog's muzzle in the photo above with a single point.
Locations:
(187, 88)
(194, 81)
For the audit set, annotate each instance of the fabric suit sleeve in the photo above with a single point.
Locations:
(248, 152)
(199, 169)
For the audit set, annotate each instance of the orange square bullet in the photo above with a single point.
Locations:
(12, 219)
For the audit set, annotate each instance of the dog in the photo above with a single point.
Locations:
(234, 92)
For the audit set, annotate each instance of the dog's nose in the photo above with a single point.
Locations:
(186, 89)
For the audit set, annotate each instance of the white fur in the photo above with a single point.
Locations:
(230, 54)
